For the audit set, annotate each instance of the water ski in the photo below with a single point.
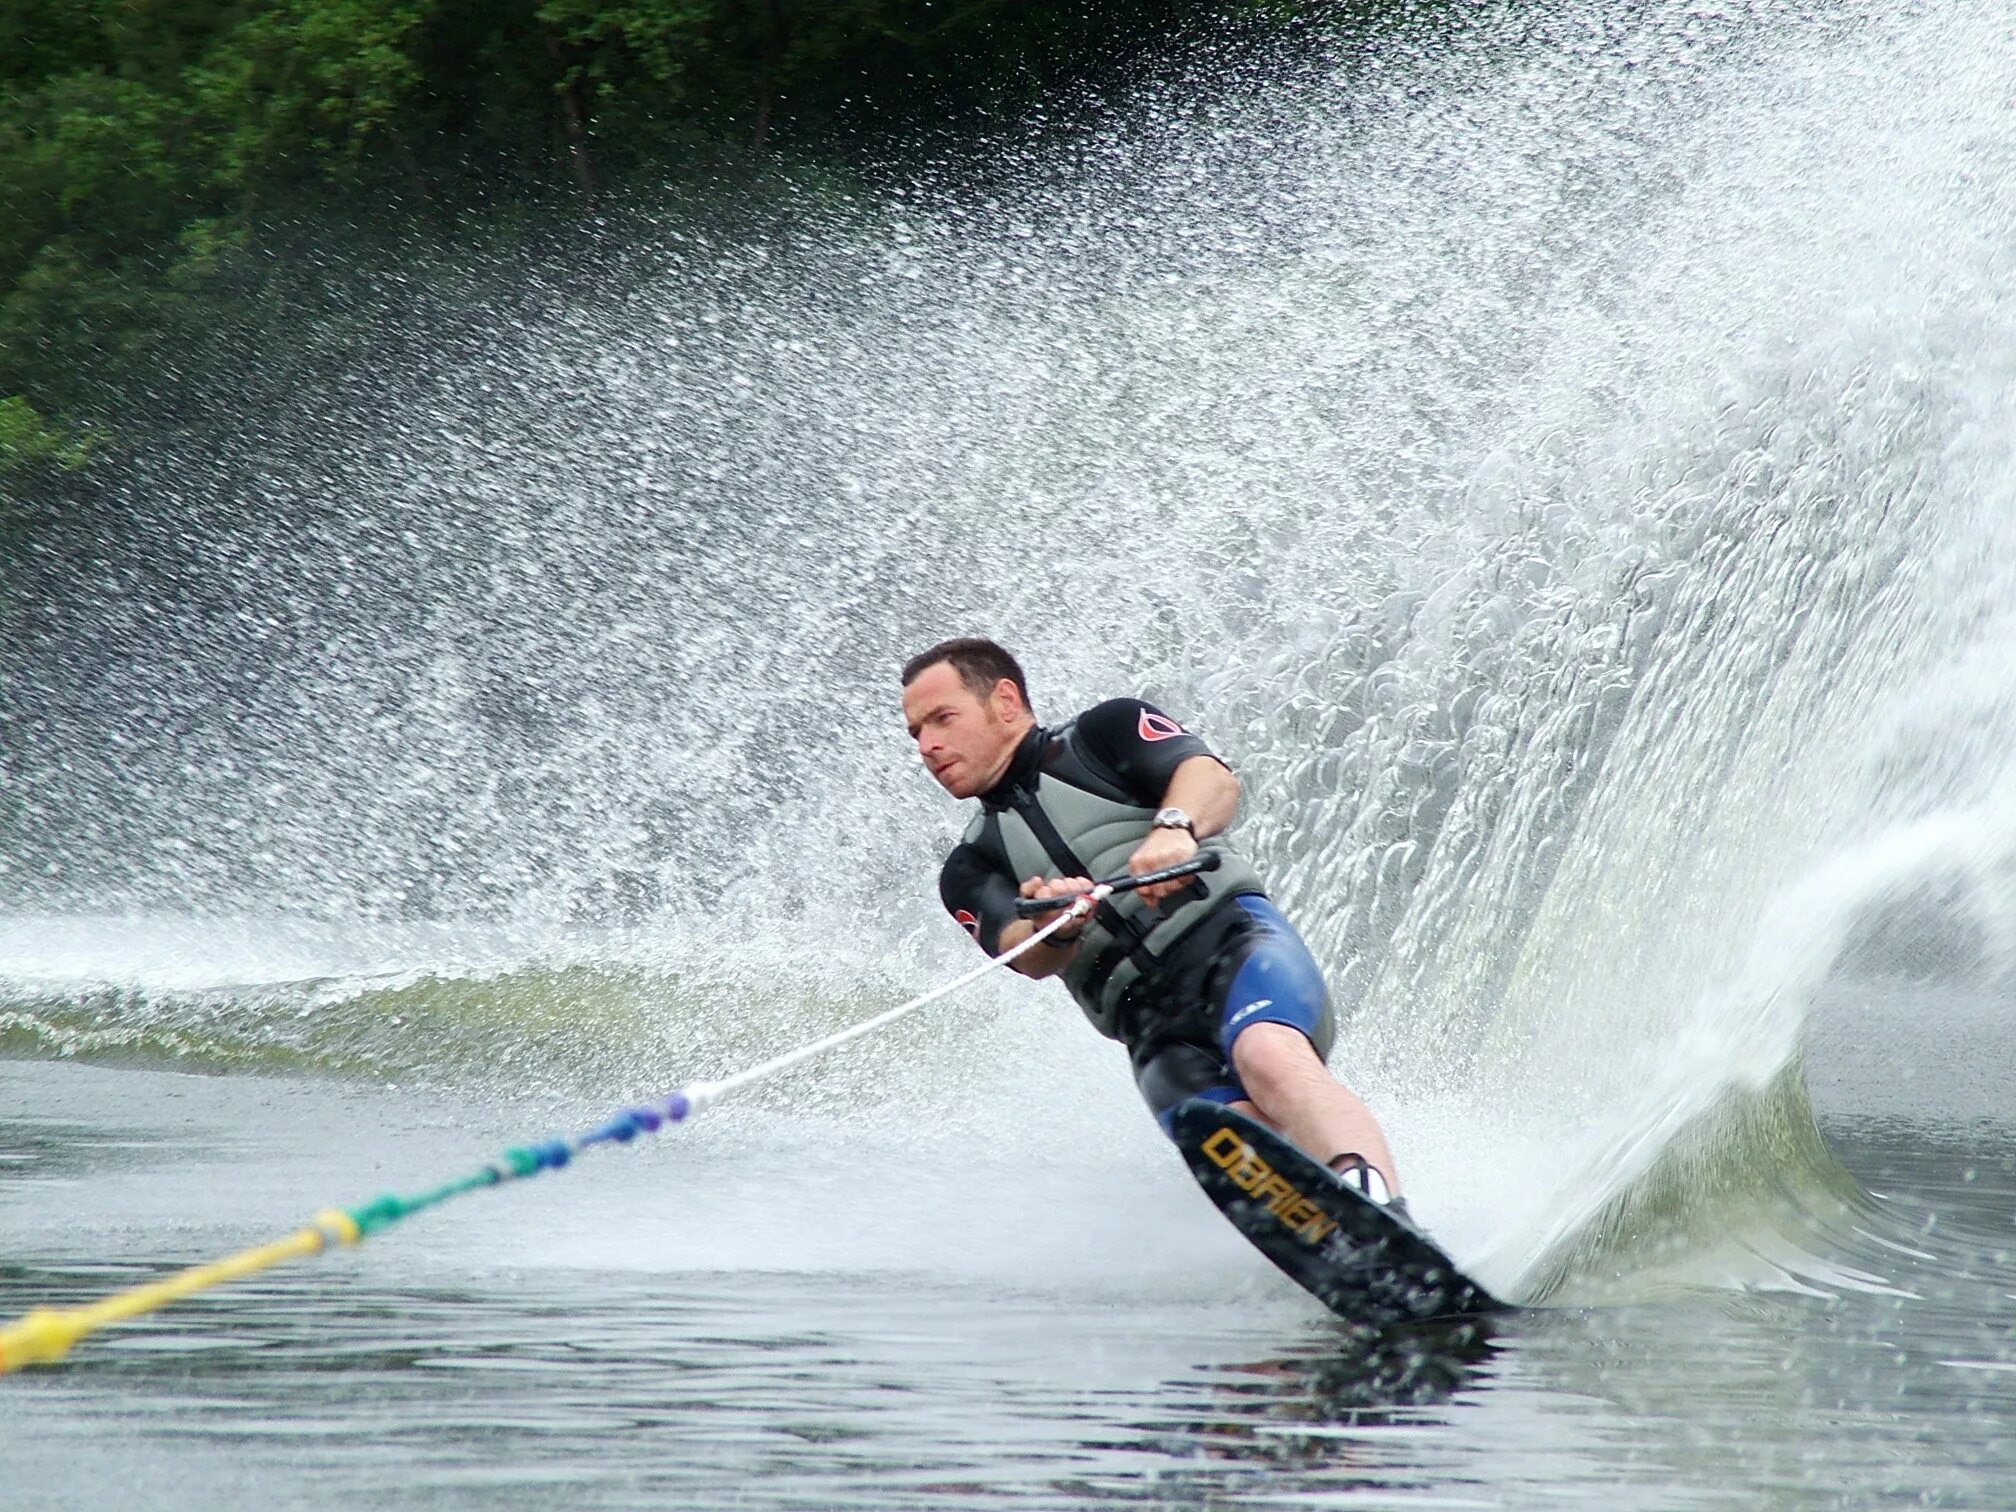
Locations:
(1361, 1261)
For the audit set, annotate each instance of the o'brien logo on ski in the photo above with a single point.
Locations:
(1259, 1180)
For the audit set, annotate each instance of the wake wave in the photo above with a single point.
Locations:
(599, 1014)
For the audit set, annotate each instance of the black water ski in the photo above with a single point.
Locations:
(1359, 1260)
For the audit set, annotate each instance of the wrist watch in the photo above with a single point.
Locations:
(1174, 818)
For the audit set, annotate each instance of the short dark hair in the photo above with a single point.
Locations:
(980, 663)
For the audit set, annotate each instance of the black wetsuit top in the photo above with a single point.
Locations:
(1129, 748)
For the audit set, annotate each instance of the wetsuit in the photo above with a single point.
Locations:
(1176, 983)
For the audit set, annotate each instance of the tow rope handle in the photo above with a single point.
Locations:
(1203, 861)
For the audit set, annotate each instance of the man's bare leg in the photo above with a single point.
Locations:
(1293, 1091)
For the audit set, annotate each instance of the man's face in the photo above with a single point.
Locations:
(965, 741)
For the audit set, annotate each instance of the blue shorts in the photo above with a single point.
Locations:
(1251, 968)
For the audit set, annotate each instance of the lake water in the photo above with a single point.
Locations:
(571, 1344)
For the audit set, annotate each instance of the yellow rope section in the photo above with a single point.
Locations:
(48, 1333)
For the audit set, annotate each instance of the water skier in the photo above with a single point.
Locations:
(1204, 981)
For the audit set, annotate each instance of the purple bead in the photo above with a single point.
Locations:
(646, 1119)
(677, 1107)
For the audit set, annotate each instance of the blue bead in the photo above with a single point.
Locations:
(554, 1154)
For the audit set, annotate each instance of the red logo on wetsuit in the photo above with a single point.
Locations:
(967, 922)
(1155, 726)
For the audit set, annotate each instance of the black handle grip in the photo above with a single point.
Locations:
(1203, 861)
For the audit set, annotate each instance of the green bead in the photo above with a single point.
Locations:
(379, 1213)
(524, 1159)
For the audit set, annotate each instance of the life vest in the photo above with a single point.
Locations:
(1062, 818)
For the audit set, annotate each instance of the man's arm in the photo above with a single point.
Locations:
(1205, 789)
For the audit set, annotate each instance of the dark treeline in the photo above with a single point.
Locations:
(158, 158)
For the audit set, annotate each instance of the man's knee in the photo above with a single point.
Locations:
(1271, 1057)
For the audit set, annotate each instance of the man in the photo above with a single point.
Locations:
(1209, 987)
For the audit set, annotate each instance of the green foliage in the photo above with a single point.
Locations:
(138, 144)
(606, 45)
(49, 38)
(30, 445)
(303, 85)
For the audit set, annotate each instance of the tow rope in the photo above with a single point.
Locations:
(45, 1335)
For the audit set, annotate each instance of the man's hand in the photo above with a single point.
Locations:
(1064, 889)
(1058, 951)
(1163, 847)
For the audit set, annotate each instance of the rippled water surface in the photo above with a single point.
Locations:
(483, 1357)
